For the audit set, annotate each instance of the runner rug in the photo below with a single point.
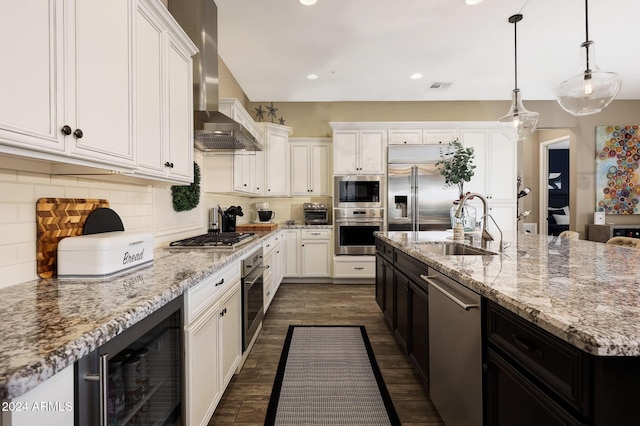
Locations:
(328, 375)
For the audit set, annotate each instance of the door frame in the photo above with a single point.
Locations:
(543, 212)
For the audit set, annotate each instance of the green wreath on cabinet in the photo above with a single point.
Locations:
(187, 197)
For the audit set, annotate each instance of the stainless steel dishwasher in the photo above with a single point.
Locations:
(455, 351)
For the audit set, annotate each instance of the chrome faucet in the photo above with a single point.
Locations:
(486, 236)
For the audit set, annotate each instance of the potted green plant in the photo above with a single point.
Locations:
(456, 165)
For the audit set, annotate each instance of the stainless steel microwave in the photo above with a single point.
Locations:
(358, 191)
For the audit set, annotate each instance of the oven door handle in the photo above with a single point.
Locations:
(257, 273)
(359, 221)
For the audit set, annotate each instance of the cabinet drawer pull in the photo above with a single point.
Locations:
(358, 268)
(526, 345)
(315, 233)
(219, 282)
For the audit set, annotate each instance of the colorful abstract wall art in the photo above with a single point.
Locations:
(617, 174)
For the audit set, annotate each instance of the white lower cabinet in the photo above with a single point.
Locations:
(273, 261)
(229, 334)
(354, 267)
(315, 252)
(212, 338)
(201, 346)
(28, 410)
(308, 253)
(292, 253)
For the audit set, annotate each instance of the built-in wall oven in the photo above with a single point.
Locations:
(358, 191)
(354, 230)
(252, 296)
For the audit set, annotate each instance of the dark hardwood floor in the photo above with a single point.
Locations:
(247, 396)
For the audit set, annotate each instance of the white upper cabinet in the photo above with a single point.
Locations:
(405, 136)
(358, 150)
(495, 173)
(495, 159)
(277, 174)
(97, 83)
(164, 96)
(179, 161)
(310, 166)
(99, 80)
(232, 108)
(69, 87)
(416, 134)
(32, 77)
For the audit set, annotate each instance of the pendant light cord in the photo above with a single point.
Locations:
(587, 42)
(514, 19)
(515, 53)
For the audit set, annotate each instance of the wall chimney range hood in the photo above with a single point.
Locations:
(212, 129)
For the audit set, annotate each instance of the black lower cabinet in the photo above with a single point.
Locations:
(512, 399)
(419, 329)
(380, 276)
(385, 293)
(402, 309)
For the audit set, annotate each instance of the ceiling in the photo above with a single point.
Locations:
(366, 50)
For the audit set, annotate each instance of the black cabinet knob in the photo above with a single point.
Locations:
(66, 130)
(78, 134)
(485, 367)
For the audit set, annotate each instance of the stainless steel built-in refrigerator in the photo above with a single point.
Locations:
(418, 199)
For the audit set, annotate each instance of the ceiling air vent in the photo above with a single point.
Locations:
(439, 86)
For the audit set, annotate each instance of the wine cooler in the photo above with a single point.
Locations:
(135, 378)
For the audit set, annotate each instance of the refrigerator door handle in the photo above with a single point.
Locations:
(416, 213)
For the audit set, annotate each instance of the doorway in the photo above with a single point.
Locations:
(554, 214)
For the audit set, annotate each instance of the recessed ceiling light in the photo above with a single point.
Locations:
(416, 76)
(472, 2)
(307, 2)
(312, 77)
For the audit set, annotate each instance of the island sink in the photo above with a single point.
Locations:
(452, 249)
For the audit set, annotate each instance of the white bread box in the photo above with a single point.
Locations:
(103, 255)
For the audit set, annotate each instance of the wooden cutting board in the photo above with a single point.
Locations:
(246, 227)
(57, 218)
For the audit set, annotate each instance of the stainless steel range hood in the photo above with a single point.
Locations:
(212, 129)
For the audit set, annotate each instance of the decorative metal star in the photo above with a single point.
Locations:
(260, 113)
(272, 111)
(281, 120)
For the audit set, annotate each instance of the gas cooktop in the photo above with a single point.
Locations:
(219, 240)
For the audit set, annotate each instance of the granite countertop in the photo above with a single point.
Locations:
(48, 324)
(586, 293)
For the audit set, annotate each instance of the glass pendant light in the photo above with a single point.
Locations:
(518, 123)
(591, 90)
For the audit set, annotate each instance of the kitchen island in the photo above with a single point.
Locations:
(560, 323)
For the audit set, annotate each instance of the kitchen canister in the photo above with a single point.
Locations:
(116, 386)
(143, 354)
(132, 375)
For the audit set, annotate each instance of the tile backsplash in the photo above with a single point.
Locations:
(19, 192)
(142, 207)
